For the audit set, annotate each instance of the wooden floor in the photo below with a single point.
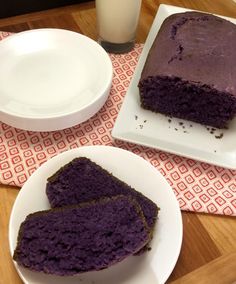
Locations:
(208, 253)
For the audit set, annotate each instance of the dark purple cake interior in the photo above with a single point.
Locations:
(190, 71)
(72, 240)
(82, 180)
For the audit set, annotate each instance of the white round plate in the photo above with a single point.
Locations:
(52, 79)
(153, 267)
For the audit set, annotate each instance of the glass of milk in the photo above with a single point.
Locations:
(117, 22)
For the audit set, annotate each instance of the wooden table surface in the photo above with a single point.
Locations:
(208, 252)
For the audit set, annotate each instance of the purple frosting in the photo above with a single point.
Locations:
(190, 72)
(71, 240)
(83, 180)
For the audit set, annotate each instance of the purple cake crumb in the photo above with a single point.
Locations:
(189, 70)
(219, 136)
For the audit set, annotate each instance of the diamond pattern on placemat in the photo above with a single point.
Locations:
(198, 186)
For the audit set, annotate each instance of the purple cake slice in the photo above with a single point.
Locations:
(190, 70)
(87, 237)
(82, 180)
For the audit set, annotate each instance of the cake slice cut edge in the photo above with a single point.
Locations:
(188, 100)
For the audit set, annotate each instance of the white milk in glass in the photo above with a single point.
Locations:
(117, 22)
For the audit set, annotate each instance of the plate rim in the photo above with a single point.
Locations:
(79, 152)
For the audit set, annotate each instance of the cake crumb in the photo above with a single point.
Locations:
(219, 136)
(136, 117)
(169, 120)
(190, 125)
(140, 126)
(181, 123)
(212, 130)
(176, 129)
(145, 121)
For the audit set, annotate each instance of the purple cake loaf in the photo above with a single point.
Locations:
(87, 237)
(190, 70)
(82, 180)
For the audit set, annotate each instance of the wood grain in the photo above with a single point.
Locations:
(220, 271)
(82, 17)
(209, 243)
(7, 269)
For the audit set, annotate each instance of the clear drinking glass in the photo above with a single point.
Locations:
(117, 22)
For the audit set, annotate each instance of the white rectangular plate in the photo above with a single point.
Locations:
(178, 136)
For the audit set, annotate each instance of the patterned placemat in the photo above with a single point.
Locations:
(198, 186)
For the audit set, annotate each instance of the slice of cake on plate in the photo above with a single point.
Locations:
(82, 180)
(81, 238)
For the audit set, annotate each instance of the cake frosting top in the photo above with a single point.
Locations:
(196, 47)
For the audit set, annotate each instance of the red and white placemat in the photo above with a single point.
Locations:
(198, 186)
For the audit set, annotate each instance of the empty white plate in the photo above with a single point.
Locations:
(52, 79)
